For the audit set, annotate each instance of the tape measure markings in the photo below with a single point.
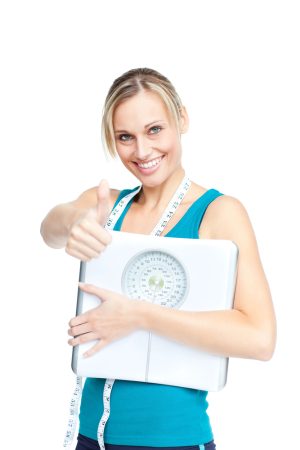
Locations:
(114, 216)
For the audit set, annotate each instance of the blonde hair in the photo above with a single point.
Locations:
(128, 85)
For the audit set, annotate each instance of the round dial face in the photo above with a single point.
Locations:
(156, 276)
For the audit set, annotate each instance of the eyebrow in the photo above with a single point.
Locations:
(146, 126)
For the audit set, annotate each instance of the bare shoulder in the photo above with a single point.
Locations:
(227, 218)
(88, 198)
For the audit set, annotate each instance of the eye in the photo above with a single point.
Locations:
(156, 129)
(124, 137)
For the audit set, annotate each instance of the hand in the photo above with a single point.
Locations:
(114, 318)
(88, 237)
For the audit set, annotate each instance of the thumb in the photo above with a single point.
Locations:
(103, 202)
(102, 293)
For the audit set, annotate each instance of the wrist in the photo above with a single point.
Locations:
(141, 311)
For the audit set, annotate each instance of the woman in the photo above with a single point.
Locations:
(142, 123)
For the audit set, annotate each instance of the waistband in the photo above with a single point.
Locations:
(86, 443)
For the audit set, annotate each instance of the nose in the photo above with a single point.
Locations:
(142, 150)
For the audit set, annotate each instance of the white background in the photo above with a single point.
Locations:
(236, 67)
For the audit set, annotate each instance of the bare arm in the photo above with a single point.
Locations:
(55, 227)
(79, 226)
(248, 330)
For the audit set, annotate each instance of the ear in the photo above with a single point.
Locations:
(184, 120)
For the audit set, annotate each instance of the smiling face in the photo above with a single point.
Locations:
(147, 139)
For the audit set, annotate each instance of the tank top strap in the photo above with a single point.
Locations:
(196, 212)
(122, 194)
(188, 225)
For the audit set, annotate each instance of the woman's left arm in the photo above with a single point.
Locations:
(246, 331)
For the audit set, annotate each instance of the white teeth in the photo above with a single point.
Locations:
(151, 163)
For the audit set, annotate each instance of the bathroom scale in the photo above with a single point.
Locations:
(186, 274)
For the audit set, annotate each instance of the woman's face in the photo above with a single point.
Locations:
(146, 133)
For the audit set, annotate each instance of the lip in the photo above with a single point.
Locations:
(150, 170)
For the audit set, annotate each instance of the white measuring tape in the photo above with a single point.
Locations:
(114, 216)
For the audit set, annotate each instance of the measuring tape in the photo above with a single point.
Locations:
(156, 284)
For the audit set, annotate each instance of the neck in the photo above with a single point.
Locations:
(157, 197)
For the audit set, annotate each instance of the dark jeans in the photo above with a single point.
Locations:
(85, 443)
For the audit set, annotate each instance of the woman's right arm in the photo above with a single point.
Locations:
(79, 225)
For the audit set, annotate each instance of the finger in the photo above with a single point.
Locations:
(103, 195)
(89, 232)
(83, 338)
(76, 254)
(102, 293)
(84, 248)
(96, 348)
(81, 252)
(88, 235)
(78, 320)
(80, 329)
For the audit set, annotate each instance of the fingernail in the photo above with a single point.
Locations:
(81, 284)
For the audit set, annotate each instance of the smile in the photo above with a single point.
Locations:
(152, 163)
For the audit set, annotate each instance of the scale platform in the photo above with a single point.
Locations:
(182, 273)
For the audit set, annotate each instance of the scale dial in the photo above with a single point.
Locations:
(157, 276)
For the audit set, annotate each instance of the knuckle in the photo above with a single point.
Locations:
(74, 233)
(97, 252)
(69, 245)
(84, 223)
(84, 257)
(107, 238)
(84, 338)
(71, 242)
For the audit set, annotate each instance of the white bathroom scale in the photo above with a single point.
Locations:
(187, 274)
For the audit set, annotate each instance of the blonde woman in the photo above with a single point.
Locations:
(143, 120)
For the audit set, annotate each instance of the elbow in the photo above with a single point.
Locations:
(266, 346)
(266, 353)
(42, 231)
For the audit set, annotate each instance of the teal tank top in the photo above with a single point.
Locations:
(150, 414)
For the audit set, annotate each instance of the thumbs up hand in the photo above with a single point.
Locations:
(103, 202)
(88, 237)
